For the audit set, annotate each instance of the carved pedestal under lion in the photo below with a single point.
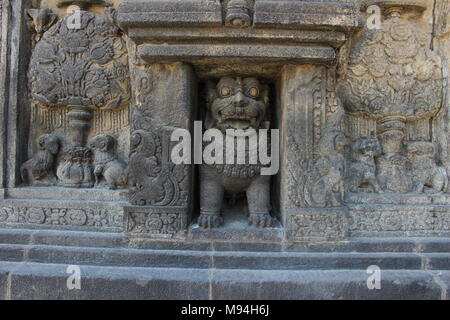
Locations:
(239, 104)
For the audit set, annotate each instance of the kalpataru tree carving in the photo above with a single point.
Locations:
(236, 104)
(80, 66)
(394, 79)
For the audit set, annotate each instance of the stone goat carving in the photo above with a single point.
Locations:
(39, 170)
(107, 166)
(235, 103)
(325, 183)
(425, 171)
(362, 169)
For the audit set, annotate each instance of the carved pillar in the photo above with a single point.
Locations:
(160, 191)
(3, 87)
(310, 179)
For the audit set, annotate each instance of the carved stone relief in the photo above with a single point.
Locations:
(40, 170)
(395, 80)
(162, 183)
(361, 170)
(105, 101)
(107, 167)
(77, 71)
(317, 177)
(61, 216)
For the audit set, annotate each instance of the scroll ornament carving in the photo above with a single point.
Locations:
(152, 180)
(98, 218)
(153, 223)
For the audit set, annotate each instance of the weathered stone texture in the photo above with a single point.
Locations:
(92, 96)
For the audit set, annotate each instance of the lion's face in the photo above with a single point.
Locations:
(369, 147)
(238, 103)
(49, 142)
(103, 142)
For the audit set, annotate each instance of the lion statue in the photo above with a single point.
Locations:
(239, 104)
(108, 169)
(362, 168)
(39, 170)
(425, 171)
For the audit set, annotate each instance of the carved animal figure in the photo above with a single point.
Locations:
(425, 171)
(362, 169)
(235, 103)
(41, 20)
(107, 167)
(324, 186)
(39, 170)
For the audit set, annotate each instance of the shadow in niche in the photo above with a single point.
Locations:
(235, 215)
(235, 227)
(234, 208)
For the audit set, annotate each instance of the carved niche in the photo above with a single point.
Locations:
(235, 103)
(395, 81)
(79, 68)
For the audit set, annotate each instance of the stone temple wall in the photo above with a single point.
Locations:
(93, 93)
(83, 99)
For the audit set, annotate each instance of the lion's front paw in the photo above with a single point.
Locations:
(260, 220)
(208, 221)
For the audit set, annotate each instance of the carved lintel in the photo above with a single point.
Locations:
(83, 4)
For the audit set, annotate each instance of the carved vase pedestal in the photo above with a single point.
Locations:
(393, 174)
(76, 170)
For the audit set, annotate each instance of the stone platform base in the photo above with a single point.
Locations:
(33, 265)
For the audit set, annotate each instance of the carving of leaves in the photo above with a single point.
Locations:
(85, 67)
(392, 72)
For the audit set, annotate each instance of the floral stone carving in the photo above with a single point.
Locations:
(393, 78)
(81, 68)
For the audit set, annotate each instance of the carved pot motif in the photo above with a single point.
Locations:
(80, 65)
